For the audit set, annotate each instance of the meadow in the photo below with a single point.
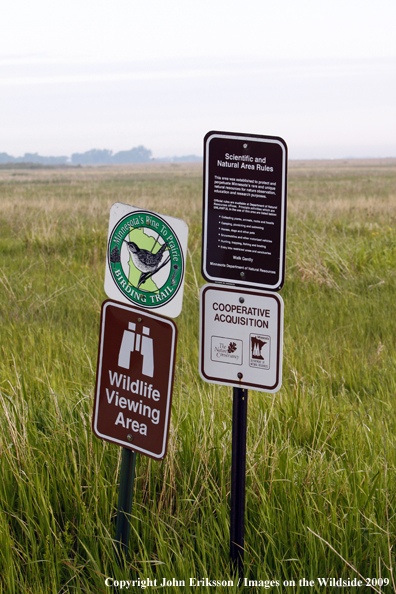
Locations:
(321, 458)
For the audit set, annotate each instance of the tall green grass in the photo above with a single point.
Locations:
(320, 498)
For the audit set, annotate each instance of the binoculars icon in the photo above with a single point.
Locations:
(139, 343)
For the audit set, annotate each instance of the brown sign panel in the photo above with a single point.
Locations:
(134, 379)
(244, 210)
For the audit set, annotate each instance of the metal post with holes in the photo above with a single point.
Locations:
(125, 497)
(238, 473)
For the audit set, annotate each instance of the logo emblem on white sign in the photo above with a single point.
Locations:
(260, 348)
(146, 259)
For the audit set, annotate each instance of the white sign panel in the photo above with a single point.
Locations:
(241, 338)
(146, 259)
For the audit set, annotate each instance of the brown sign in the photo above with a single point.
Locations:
(244, 210)
(134, 379)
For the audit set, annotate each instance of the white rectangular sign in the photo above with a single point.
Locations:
(241, 338)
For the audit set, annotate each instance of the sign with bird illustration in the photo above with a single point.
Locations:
(146, 258)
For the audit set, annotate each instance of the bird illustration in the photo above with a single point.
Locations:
(145, 261)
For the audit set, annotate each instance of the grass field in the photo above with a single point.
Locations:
(321, 459)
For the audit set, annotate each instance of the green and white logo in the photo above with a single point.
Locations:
(145, 259)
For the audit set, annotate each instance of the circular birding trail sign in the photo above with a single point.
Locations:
(146, 255)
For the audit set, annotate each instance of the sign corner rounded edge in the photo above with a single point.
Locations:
(205, 274)
(206, 378)
(204, 288)
(163, 453)
(95, 429)
(279, 285)
(283, 142)
(276, 388)
(211, 133)
(108, 302)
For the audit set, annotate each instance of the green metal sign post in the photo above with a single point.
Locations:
(125, 497)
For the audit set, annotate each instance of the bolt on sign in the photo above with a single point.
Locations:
(134, 380)
(241, 337)
(146, 259)
(244, 210)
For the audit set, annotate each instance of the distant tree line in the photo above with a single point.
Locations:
(184, 159)
(33, 158)
(138, 154)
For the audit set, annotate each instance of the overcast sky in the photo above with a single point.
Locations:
(81, 74)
